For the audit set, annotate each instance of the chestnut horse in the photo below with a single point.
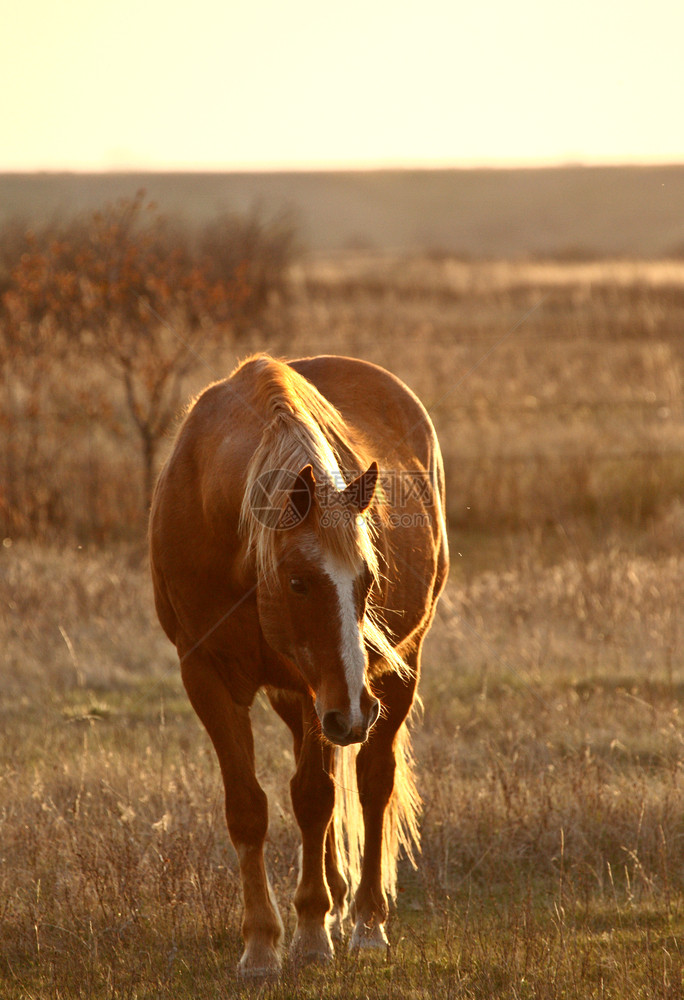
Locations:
(281, 558)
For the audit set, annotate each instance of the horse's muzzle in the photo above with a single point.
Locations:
(337, 726)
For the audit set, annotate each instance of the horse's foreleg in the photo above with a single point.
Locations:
(313, 801)
(300, 719)
(375, 770)
(375, 776)
(229, 727)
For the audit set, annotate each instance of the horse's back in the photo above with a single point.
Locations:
(375, 402)
(227, 420)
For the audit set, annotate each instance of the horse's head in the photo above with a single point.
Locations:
(313, 604)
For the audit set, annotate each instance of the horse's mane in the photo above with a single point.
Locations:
(302, 428)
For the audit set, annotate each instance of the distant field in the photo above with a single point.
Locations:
(567, 211)
(550, 752)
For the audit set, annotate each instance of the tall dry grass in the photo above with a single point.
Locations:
(549, 749)
(549, 759)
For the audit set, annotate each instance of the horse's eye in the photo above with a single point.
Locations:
(299, 586)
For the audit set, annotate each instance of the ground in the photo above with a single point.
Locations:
(550, 745)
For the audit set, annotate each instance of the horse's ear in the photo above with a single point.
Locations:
(360, 491)
(300, 499)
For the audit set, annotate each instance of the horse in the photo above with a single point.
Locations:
(298, 545)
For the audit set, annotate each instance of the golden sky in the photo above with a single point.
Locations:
(203, 84)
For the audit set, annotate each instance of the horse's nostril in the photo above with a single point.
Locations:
(335, 727)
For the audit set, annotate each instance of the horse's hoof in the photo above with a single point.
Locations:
(335, 925)
(368, 937)
(312, 947)
(303, 958)
(262, 965)
(255, 973)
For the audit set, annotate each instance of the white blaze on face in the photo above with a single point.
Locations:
(351, 639)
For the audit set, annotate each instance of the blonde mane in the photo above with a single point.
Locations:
(301, 428)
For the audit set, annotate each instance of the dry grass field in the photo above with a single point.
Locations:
(550, 748)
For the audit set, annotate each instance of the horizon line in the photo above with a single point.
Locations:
(339, 168)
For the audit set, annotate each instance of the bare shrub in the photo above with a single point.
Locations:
(102, 320)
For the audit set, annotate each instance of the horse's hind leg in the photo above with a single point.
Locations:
(375, 770)
(229, 727)
(313, 801)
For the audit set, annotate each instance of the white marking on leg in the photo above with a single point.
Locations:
(244, 853)
(352, 647)
(368, 936)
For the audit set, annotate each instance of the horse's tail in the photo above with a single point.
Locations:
(401, 830)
